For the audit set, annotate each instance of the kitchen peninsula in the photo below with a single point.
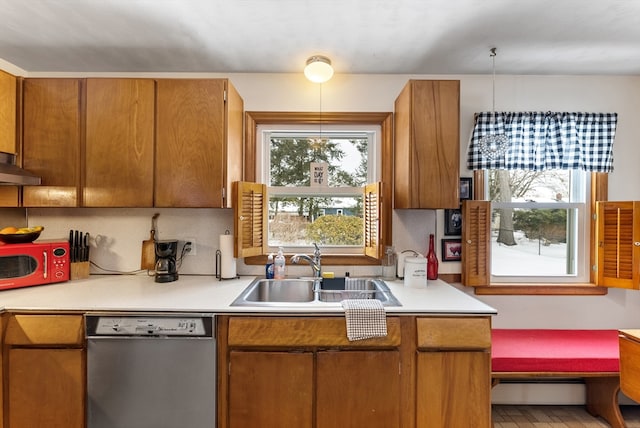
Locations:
(284, 366)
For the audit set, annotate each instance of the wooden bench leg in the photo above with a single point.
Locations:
(602, 399)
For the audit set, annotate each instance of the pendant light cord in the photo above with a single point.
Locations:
(492, 54)
(320, 118)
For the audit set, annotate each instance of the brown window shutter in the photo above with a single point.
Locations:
(476, 243)
(617, 225)
(250, 218)
(372, 213)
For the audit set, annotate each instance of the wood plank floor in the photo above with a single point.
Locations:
(556, 417)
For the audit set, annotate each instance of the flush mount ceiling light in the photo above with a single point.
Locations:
(318, 69)
(494, 144)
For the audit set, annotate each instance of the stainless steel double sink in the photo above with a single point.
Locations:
(313, 292)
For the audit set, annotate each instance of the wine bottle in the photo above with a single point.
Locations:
(432, 260)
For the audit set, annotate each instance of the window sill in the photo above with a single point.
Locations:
(531, 289)
(543, 290)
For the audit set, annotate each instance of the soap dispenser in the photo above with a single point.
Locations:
(269, 267)
(279, 265)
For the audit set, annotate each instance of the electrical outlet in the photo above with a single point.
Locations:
(193, 250)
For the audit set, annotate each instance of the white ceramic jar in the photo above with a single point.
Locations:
(415, 272)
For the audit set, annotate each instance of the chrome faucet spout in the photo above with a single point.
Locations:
(314, 262)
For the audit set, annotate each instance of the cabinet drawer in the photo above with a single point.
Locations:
(44, 330)
(288, 331)
(471, 333)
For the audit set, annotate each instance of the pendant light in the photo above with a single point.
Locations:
(493, 144)
(318, 69)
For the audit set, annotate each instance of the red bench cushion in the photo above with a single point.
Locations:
(554, 350)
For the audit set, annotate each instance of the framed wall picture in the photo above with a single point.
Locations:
(453, 222)
(466, 188)
(451, 250)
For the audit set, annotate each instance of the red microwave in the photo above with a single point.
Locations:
(35, 263)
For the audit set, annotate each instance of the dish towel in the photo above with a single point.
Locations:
(365, 318)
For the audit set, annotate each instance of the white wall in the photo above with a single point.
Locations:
(125, 229)
(292, 92)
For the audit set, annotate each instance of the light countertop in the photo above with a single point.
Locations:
(194, 293)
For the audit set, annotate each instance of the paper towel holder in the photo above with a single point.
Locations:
(218, 272)
(219, 267)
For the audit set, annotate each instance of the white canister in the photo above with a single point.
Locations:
(415, 272)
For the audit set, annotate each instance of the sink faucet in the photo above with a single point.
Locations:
(314, 262)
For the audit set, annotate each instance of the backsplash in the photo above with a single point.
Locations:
(117, 235)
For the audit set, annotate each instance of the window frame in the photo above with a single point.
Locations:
(383, 119)
(598, 192)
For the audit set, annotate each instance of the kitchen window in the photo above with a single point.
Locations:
(480, 233)
(347, 211)
(539, 226)
(540, 175)
(315, 181)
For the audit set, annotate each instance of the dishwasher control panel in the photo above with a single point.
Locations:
(187, 326)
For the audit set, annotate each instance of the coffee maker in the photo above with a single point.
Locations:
(166, 267)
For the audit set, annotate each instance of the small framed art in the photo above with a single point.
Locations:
(453, 222)
(466, 188)
(451, 250)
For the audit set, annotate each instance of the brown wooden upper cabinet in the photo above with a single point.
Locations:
(8, 91)
(427, 145)
(119, 143)
(131, 142)
(51, 141)
(8, 125)
(198, 143)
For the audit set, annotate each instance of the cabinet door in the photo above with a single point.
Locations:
(45, 388)
(453, 372)
(190, 146)
(8, 125)
(358, 389)
(119, 143)
(8, 109)
(453, 389)
(427, 145)
(51, 141)
(270, 389)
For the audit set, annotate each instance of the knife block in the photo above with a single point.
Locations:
(79, 270)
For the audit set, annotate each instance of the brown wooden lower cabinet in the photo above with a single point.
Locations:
(452, 391)
(270, 389)
(302, 371)
(44, 371)
(278, 389)
(46, 388)
(358, 389)
(453, 375)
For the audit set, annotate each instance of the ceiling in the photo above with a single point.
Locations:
(360, 36)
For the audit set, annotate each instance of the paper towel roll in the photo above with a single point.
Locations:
(227, 262)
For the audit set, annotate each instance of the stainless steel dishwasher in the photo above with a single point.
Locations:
(151, 371)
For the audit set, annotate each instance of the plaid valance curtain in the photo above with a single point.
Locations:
(539, 141)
